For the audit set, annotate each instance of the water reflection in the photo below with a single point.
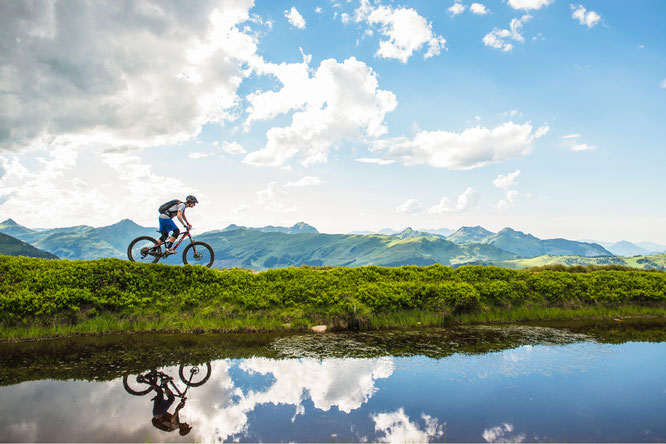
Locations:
(475, 384)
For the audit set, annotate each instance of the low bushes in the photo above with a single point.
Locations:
(41, 292)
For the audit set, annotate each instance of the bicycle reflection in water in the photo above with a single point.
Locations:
(164, 385)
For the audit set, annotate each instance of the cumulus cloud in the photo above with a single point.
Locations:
(397, 427)
(82, 198)
(412, 206)
(466, 201)
(479, 9)
(508, 200)
(457, 8)
(506, 181)
(233, 148)
(375, 161)
(307, 181)
(499, 38)
(529, 4)
(501, 434)
(405, 29)
(118, 73)
(585, 17)
(663, 84)
(295, 18)
(338, 101)
(269, 199)
(472, 148)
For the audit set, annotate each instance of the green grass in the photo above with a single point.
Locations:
(41, 298)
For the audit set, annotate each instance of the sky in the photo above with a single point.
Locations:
(546, 116)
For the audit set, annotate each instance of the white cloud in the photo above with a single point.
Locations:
(295, 18)
(582, 147)
(499, 434)
(397, 427)
(457, 8)
(375, 161)
(140, 73)
(233, 148)
(663, 84)
(571, 141)
(339, 101)
(472, 148)
(318, 10)
(498, 38)
(466, 201)
(479, 9)
(80, 182)
(529, 4)
(412, 206)
(241, 209)
(268, 198)
(506, 181)
(585, 17)
(508, 200)
(405, 29)
(199, 155)
(541, 131)
(307, 181)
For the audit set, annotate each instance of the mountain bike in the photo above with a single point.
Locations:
(148, 249)
(191, 375)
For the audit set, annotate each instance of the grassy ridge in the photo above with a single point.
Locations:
(53, 298)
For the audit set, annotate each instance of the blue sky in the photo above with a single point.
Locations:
(542, 115)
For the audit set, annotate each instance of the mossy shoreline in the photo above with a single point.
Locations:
(59, 298)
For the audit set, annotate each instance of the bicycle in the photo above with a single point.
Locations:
(149, 249)
(142, 384)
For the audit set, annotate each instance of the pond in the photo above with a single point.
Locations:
(558, 382)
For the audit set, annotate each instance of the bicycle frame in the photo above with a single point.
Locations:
(182, 238)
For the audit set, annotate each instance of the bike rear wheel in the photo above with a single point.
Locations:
(144, 249)
(198, 253)
(194, 375)
(134, 387)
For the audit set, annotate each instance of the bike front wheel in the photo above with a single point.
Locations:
(135, 387)
(144, 249)
(194, 375)
(198, 253)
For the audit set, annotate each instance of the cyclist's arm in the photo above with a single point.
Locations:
(183, 219)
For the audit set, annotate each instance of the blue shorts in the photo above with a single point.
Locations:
(166, 225)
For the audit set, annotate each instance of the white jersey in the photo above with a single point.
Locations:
(173, 210)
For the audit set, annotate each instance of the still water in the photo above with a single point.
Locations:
(575, 382)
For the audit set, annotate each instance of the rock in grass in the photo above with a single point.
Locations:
(319, 328)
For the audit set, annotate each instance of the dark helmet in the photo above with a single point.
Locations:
(191, 198)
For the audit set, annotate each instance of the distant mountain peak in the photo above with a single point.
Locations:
(9, 223)
(469, 235)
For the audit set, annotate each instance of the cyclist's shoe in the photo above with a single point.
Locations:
(169, 251)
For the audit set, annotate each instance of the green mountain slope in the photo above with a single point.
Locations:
(259, 250)
(653, 262)
(526, 245)
(10, 246)
(83, 241)
(466, 235)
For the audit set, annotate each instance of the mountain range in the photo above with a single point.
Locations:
(11, 246)
(274, 246)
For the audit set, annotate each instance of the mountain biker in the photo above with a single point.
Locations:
(164, 420)
(177, 208)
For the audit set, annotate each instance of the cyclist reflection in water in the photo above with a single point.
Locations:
(164, 420)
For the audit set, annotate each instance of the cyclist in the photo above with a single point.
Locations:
(164, 420)
(167, 212)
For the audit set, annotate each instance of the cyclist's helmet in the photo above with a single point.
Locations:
(191, 198)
